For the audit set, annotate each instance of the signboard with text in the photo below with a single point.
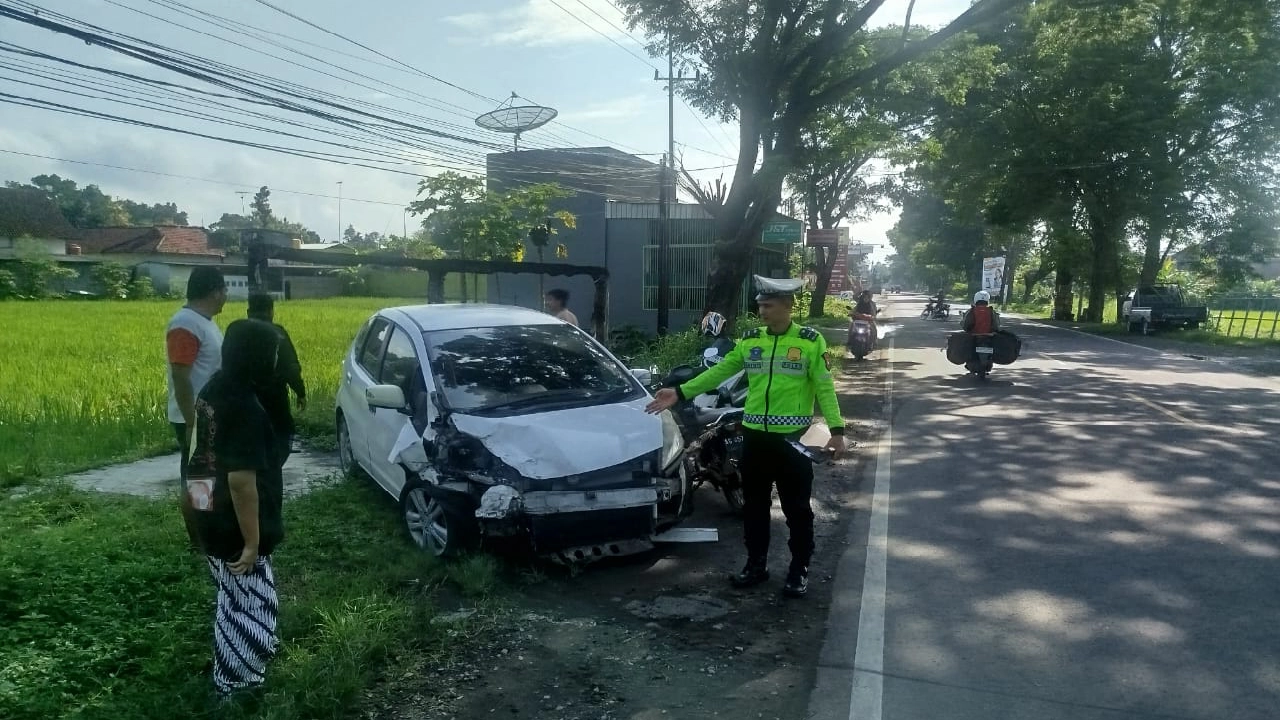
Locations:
(782, 232)
(822, 238)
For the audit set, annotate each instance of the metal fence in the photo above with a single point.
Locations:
(1245, 317)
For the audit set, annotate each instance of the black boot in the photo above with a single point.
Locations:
(797, 581)
(755, 572)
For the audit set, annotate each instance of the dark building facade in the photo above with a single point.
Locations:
(616, 206)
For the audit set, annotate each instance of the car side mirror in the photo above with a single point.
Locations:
(389, 397)
(643, 375)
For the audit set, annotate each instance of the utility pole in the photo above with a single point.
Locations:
(339, 211)
(667, 189)
(242, 193)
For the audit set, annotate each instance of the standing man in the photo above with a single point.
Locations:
(193, 344)
(288, 375)
(556, 303)
(787, 366)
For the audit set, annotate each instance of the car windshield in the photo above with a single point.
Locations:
(493, 370)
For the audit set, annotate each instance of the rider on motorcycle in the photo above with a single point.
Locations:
(866, 309)
(981, 319)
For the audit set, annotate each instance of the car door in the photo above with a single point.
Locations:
(399, 362)
(360, 372)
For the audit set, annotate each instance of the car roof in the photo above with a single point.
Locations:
(457, 316)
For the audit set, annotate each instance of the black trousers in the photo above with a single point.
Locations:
(767, 458)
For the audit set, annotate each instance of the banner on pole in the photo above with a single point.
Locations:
(993, 275)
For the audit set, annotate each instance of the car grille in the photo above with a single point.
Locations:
(596, 527)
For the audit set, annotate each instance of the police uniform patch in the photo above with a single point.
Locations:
(794, 354)
(826, 358)
(752, 333)
(808, 333)
(756, 353)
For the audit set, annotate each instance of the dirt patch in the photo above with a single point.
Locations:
(658, 636)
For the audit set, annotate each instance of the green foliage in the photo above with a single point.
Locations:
(89, 207)
(113, 278)
(469, 222)
(418, 246)
(141, 288)
(351, 593)
(8, 285)
(38, 275)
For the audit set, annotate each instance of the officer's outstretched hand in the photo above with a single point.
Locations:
(665, 398)
(836, 446)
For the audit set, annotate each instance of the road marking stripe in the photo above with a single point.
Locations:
(1140, 400)
(867, 699)
(1157, 406)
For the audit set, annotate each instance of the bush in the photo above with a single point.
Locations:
(8, 285)
(38, 274)
(114, 279)
(141, 289)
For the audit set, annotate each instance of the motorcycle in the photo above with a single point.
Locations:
(712, 428)
(936, 311)
(982, 360)
(861, 335)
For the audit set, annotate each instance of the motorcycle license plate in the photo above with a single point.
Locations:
(985, 351)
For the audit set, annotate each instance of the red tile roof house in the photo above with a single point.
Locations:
(164, 253)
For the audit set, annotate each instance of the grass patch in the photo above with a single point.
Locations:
(103, 614)
(84, 383)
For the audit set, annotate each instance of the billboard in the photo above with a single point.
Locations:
(993, 275)
(822, 238)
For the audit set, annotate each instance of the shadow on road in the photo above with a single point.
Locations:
(1106, 522)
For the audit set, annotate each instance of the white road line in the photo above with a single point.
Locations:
(1044, 326)
(867, 699)
(1138, 399)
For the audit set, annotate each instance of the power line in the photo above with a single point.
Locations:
(199, 179)
(599, 32)
(359, 44)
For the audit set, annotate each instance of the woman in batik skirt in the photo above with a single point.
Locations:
(234, 484)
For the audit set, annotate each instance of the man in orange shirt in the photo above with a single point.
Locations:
(193, 345)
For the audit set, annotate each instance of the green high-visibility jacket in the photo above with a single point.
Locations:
(785, 374)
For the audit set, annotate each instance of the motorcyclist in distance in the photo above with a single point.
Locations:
(865, 309)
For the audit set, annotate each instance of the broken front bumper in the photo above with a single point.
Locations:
(585, 524)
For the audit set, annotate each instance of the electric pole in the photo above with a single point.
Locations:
(667, 189)
(339, 211)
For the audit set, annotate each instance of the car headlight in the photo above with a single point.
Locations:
(672, 441)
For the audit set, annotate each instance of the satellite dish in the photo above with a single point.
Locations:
(515, 119)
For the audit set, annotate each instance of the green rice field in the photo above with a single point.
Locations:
(83, 383)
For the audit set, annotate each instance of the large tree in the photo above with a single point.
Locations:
(774, 66)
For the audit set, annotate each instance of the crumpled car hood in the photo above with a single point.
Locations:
(567, 442)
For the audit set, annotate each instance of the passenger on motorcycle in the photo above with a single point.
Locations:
(981, 319)
(866, 309)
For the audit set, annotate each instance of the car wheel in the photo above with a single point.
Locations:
(434, 526)
(346, 457)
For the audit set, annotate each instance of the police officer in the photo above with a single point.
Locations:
(787, 366)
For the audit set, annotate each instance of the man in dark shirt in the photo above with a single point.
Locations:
(236, 490)
(288, 375)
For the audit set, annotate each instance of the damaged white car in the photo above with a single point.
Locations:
(492, 421)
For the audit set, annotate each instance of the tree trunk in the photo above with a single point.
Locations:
(1152, 259)
(1033, 278)
(826, 266)
(1062, 295)
(1097, 276)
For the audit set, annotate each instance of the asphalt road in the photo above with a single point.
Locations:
(1091, 534)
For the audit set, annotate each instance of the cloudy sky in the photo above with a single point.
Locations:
(433, 64)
